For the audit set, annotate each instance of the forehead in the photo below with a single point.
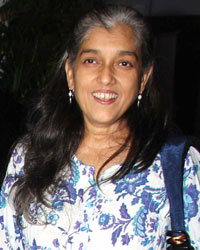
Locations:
(120, 37)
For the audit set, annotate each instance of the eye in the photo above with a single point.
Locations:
(126, 64)
(90, 60)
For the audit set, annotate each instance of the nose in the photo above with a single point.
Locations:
(106, 75)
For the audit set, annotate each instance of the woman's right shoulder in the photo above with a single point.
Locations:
(15, 169)
(16, 163)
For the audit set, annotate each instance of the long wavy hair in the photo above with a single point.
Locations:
(55, 127)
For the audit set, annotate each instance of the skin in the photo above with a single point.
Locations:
(106, 79)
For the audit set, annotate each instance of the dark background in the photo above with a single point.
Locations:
(176, 25)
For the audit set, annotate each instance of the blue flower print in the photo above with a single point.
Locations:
(146, 198)
(119, 225)
(123, 212)
(18, 231)
(75, 174)
(57, 204)
(92, 192)
(128, 184)
(10, 179)
(18, 159)
(153, 225)
(71, 197)
(125, 239)
(56, 243)
(195, 169)
(139, 222)
(116, 234)
(80, 193)
(3, 196)
(190, 199)
(81, 246)
(86, 228)
(2, 222)
(106, 221)
(156, 167)
(161, 240)
(52, 218)
(77, 225)
(64, 193)
(16, 155)
(153, 202)
(34, 246)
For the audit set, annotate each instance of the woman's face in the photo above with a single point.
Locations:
(106, 76)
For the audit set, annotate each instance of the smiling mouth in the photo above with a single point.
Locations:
(105, 96)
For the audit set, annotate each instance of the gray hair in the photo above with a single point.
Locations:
(108, 18)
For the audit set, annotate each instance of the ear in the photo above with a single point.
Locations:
(145, 78)
(69, 75)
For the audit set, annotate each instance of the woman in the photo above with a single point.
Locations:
(87, 175)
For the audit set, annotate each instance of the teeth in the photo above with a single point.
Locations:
(105, 96)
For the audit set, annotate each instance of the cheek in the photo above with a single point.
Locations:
(81, 92)
(132, 90)
(132, 97)
(81, 80)
(131, 94)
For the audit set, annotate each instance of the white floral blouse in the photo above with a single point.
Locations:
(132, 213)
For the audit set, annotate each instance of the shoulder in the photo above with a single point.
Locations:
(15, 167)
(191, 194)
(8, 227)
(193, 155)
(16, 163)
(192, 164)
(192, 158)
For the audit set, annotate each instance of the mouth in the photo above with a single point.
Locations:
(105, 96)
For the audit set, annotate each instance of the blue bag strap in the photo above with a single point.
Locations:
(172, 162)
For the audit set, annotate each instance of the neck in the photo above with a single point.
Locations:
(99, 144)
(103, 137)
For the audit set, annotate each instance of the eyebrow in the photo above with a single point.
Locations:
(129, 53)
(120, 52)
(89, 51)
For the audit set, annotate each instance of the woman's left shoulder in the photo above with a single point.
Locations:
(191, 194)
(192, 161)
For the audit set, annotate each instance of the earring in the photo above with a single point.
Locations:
(139, 99)
(71, 95)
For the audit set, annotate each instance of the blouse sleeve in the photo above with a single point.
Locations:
(191, 194)
(10, 233)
